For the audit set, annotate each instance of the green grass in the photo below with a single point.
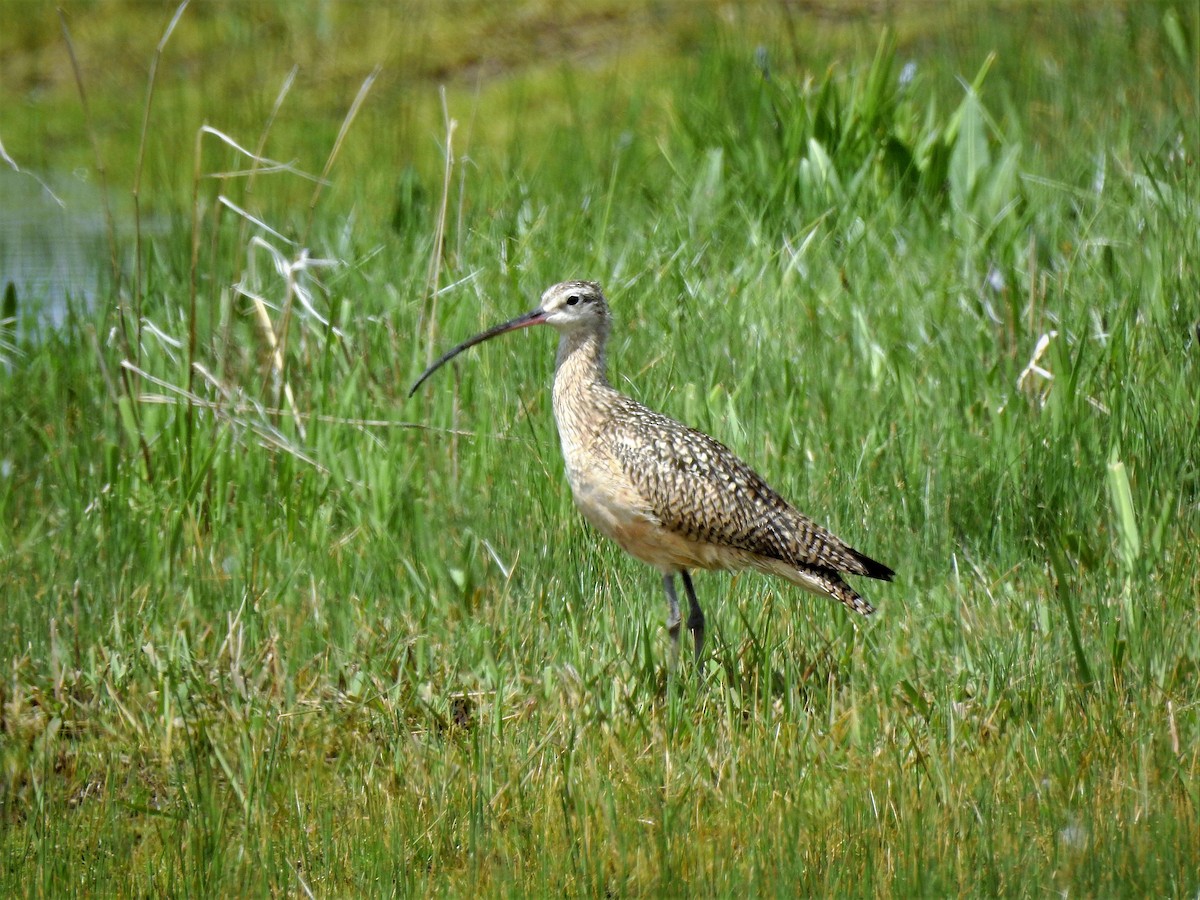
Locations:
(271, 627)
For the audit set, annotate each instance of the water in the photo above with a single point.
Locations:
(53, 246)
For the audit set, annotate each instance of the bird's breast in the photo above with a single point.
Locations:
(611, 502)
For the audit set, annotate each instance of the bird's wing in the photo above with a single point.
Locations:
(695, 485)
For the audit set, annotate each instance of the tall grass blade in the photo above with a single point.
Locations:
(1129, 543)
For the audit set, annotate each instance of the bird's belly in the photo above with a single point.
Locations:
(618, 512)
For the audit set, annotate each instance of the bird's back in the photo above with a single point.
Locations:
(699, 488)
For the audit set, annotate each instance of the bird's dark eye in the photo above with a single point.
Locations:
(572, 300)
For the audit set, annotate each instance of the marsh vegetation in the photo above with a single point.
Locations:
(270, 627)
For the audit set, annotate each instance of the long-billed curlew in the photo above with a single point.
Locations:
(670, 495)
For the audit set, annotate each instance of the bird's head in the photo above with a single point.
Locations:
(574, 305)
(568, 307)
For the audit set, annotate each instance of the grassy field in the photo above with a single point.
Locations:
(272, 628)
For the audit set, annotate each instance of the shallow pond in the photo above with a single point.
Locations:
(53, 248)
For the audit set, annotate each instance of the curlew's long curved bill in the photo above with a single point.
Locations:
(536, 317)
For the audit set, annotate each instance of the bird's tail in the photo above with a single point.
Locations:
(822, 581)
(872, 568)
(836, 587)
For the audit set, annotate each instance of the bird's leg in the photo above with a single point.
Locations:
(673, 619)
(695, 622)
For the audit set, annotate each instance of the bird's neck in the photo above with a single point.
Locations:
(581, 359)
(582, 393)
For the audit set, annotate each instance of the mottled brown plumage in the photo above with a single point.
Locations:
(670, 495)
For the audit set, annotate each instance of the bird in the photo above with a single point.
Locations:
(669, 495)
